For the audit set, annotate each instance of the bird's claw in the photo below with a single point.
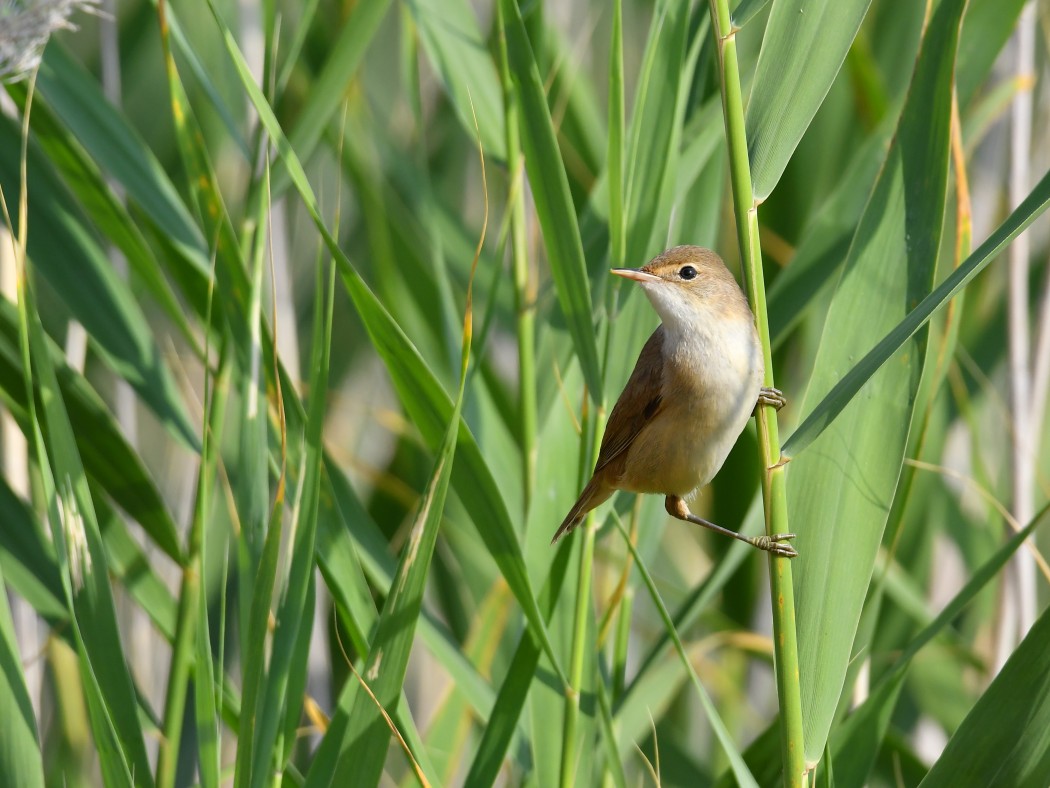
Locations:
(776, 544)
(770, 396)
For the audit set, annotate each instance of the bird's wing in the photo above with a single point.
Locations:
(639, 403)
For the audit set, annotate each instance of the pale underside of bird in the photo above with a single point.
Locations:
(696, 382)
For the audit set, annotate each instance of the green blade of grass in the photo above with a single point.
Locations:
(510, 700)
(650, 680)
(106, 678)
(21, 761)
(613, 762)
(110, 461)
(803, 48)
(346, 579)
(828, 409)
(261, 525)
(32, 569)
(207, 697)
(328, 90)
(554, 207)
(654, 138)
(31, 565)
(60, 142)
(428, 404)
(67, 254)
(746, 11)
(361, 747)
(228, 269)
(448, 734)
(455, 48)
(351, 538)
(27, 558)
(203, 75)
(77, 100)
(987, 27)
(1005, 739)
(294, 617)
(740, 770)
(839, 495)
(856, 742)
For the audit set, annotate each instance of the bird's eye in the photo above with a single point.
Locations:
(687, 272)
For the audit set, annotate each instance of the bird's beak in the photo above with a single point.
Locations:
(637, 274)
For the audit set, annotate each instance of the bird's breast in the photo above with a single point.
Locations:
(710, 386)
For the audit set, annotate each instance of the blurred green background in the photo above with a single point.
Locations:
(257, 458)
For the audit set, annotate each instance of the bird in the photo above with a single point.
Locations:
(697, 381)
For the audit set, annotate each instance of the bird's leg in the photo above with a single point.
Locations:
(771, 544)
(769, 396)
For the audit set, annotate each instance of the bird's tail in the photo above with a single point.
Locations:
(593, 495)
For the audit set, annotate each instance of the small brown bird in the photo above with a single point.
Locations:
(696, 383)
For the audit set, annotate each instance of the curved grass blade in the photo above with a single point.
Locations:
(27, 558)
(109, 139)
(454, 45)
(110, 461)
(422, 395)
(261, 525)
(203, 540)
(82, 177)
(1005, 739)
(21, 762)
(362, 746)
(856, 742)
(294, 615)
(746, 11)
(839, 494)
(554, 207)
(828, 409)
(510, 700)
(201, 73)
(68, 255)
(32, 567)
(640, 693)
(804, 46)
(736, 762)
(656, 127)
(328, 91)
(107, 682)
(987, 27)
(350, 530)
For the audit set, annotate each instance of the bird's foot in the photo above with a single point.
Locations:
(772, 397)
(775, 544)
(676, 507)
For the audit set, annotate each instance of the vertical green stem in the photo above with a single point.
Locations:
(620, 644)
(178, 680)
(617, 231)
(192, 612)
(581, 616)
(614, 154)
(746, 211)
(617, 252)
(524, 285)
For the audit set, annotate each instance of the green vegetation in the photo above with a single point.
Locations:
(342, 270)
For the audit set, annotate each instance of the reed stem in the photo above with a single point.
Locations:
(745, 208)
